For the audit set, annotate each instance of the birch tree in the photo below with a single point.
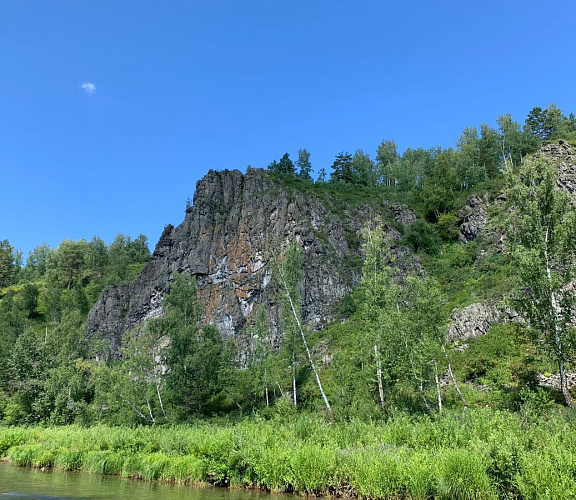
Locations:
(402, 317)
(289, 274)
(541, 231)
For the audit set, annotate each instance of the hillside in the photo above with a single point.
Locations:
(394, 285)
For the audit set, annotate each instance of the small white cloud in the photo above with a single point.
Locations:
(88, 87)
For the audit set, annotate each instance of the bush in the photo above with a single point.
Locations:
(422, 236)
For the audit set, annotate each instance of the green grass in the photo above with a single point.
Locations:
(479, 454)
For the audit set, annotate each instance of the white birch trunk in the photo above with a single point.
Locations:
(557, 332)
(437, 385)
(452, 376)
(379, 375)
(308, 354)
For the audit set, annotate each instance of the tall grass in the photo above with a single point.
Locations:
(474, 455)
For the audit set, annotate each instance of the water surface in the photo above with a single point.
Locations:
(25, 483)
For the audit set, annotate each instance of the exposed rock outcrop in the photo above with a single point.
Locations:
(475, 320)
(473, 218)
(471, 322)
(563, 155)
(227, 240)
(553, 380)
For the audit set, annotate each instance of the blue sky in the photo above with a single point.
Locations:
(181, 87)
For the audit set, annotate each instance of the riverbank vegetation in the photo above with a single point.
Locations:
(475, 454)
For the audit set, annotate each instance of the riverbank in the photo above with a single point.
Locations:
(477, 454)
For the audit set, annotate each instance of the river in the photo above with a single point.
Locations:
(26, 483)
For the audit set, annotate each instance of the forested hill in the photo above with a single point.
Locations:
(394, 282)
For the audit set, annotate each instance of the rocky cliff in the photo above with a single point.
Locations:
(227, 239)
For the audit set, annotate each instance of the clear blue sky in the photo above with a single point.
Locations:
(110, 111)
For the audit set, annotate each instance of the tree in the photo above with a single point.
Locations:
(284, 167)
(303, 163)
(417, 164)
(8, 267)
(289, 273)
(322, 176)
(490, 153)
(469, 165)
(122, 253)
(135, 382)
(195, 354)
(342, 169)
(402, 317)
(517, 143)
(37, 261)
(442, 185)
(363, 169)
(66, 263)
(386, 158)
(541, 232)
(30, 295)
(545, 124)
(97, 255)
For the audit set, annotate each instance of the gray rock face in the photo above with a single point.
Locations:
(553, 380)
(475, 320)
(227, 240)
(473, 218)
(402, 214)
(471, 322)
(563, 156)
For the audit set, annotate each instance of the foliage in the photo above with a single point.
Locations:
(195, 354)
(8, 266)
(542, 242)
(342, 169)
(422, 236)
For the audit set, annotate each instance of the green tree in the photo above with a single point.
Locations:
(289, 275)
(37, 262)
(517, 143)
(30, 295)
(417, 164)
(13, 322)
(541, 233)
(136, 382)
(303, 163)
(123, 252)
(490, 151)
(97, 255)
(442, 185)
(66, 264)
(402, 317)
(342, 171)
(364, 169)
(8, 267)
(27, 367)
(546, 123)
(470, 169)
(284, 167)
(386, 159)
(195, 355)
(255, 381)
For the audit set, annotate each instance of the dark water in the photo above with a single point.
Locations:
(24, 483)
